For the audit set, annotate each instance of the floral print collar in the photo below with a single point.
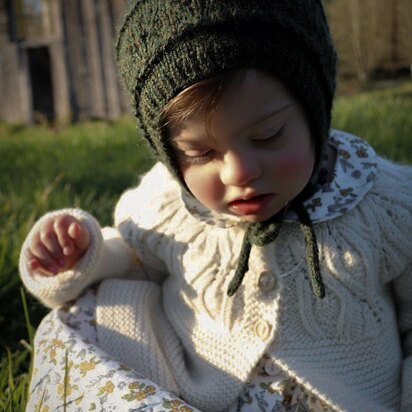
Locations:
(353, 176)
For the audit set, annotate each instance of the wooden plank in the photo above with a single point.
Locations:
(15, 104)
(110, 74)
(98, 106)
(10, 108)
(24, 86)
(77, 64)
(118, 9)
(60, 75)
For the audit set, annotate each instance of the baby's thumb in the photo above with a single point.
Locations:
(80, 235)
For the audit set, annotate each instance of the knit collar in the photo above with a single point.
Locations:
(354, 172)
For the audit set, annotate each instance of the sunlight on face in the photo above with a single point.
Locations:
(259, 155)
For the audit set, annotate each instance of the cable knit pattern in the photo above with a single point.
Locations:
(190, 336)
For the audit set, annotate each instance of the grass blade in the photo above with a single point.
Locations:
(30, 329)
(66, 379)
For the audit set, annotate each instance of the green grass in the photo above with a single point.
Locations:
(88, 165)
(382, 117)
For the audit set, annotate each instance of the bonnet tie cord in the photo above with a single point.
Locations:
(312, 251)
(259, 234)
(242, 265)
(263, 233)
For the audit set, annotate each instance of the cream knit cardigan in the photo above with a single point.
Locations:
(187, 335)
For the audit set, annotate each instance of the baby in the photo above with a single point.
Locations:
(268, 258)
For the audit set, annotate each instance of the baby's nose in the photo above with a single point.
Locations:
(239, 168)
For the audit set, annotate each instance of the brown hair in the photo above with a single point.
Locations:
(199, 98)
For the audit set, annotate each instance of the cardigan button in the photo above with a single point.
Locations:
(267, 281)
(262, 329)
(271, 368)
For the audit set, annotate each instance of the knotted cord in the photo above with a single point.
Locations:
(263, 233)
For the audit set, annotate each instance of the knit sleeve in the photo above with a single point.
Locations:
(107, 256)
(393, 192)
(133, 248)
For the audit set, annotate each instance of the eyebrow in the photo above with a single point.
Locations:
(193, 143)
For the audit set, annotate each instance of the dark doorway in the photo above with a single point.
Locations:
(41, 83)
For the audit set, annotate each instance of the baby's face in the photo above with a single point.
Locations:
(259, 155)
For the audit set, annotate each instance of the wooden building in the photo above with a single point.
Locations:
(56, 60)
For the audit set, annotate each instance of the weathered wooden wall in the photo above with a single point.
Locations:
(84, 78)
(89, 26)
(14, 88)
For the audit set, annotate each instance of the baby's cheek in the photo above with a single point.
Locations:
(192, 179)
(295, 166)
(205, 186)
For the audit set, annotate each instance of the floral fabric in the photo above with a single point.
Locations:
(354, 172)
(67, 341)
(271, 390)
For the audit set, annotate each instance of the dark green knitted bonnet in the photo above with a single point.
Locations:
(164, 46)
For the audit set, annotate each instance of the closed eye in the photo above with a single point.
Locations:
(196, 158)
(270, 138)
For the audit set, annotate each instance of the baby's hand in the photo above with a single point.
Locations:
(58, 245)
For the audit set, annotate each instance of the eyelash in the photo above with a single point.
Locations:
(197, 159)
(208, 155)
(270, 139)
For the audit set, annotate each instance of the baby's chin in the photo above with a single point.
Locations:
(254, 218)
(249, 218)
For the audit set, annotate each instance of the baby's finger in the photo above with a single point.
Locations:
(32, 262)
(49, 239)
(80, 235)
(61, 227)
(45, 261)
(35, 266)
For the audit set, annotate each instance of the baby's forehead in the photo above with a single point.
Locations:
(245, 100)
(191, 130)
(231, 122)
